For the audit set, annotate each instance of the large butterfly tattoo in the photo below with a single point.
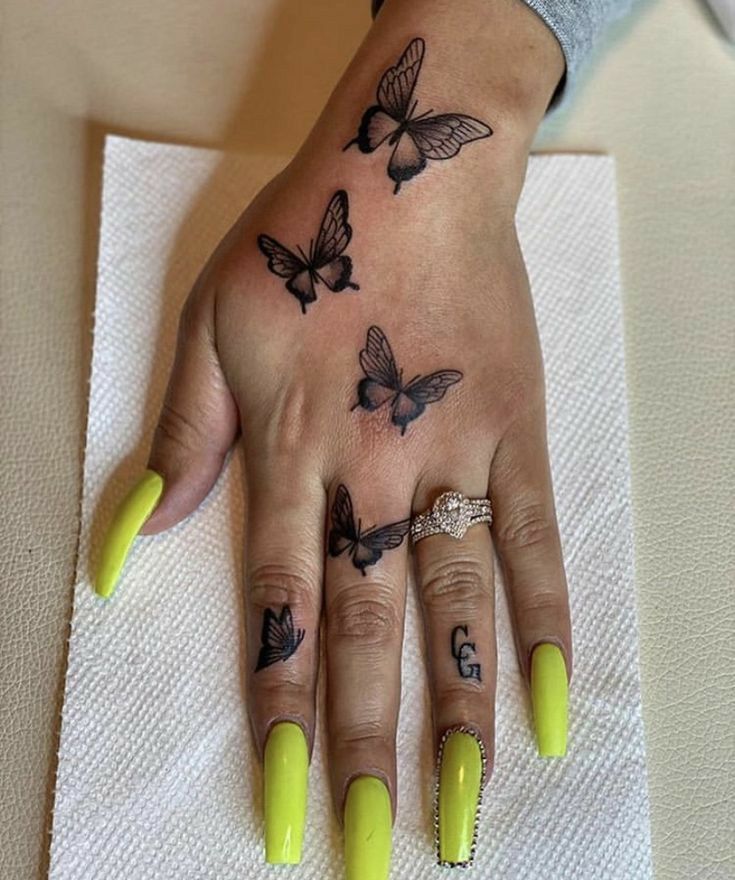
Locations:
(325, 263)
(414, 139)
(364, 547)
(383, 383)
(279, 637)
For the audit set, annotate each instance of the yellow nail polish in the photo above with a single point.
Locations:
(368, 830)
(135, 509)
(286, 771)
(549, 695)
(461, 772)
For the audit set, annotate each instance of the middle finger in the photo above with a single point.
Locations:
(365, 593)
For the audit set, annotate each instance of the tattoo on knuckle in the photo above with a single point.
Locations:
(365, 547)
(279, 637)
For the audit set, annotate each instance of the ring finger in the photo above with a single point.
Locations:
(455, 580)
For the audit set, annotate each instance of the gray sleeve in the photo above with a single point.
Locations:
(576, 24)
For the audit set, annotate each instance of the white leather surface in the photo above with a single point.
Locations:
(234, 76)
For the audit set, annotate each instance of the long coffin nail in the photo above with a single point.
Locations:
(461, 772)
(135, 509)
(549, 696)
(286, 771)
(368, 829)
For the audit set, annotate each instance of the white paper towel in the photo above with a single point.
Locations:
(156, 776)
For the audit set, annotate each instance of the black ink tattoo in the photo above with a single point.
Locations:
(325, 262)
(383, 383)
(463, 651)
(364, 547)
(414, 139)
(279, 637)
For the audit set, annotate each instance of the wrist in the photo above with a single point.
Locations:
(493, 61)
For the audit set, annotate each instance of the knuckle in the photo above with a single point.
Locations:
(287, 422)
(527, 525)
(367, 619)
(278, 584)
(522, 387)
(461, 583)
(548, 602)
(369, 734)
(179, 430)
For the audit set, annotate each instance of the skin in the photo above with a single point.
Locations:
(441, 272)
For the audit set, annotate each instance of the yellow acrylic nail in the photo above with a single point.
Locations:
(286, 771)
(461, 776)
(549, 696)
(368, 829)
(135, 509)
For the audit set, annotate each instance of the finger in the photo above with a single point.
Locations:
(197, 424)
(455, 581)
(365, 593)
(283, 580)
(526, 536)
(196, 428)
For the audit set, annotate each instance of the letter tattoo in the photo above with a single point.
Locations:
(323, 264)
(279, 637)
(364, 547)
(414, 139)
(463, 651)
(383, 383)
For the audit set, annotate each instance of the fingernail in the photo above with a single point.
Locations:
(135, 509)
(368, 830)
(549, 695)
(286, 774)
(461, 773)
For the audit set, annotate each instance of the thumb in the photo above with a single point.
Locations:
(196, 428)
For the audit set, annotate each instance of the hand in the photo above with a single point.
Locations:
(365, 385)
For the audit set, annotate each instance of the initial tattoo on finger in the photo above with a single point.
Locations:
(414, 139)
(325, 263)
(463, 651)
(279, 637)
(383, 383)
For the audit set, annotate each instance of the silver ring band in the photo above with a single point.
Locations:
(451, 514)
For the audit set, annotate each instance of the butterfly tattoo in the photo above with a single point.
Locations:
(414, 139)
(326, 263)
(383, 383)
(279, 637)
(364, 547)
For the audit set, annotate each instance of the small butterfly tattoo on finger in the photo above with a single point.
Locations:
(414, 139)
(279, 637)
(364, 546)
(325, 263)
(383, 383)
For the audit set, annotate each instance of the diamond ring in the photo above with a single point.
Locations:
(451, 514)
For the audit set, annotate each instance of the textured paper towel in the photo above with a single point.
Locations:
(157, 777)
